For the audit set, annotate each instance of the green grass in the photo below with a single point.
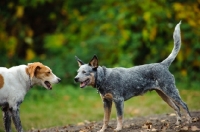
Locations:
(68, 105)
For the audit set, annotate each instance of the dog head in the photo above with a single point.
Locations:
(86, 72)
(41, 75)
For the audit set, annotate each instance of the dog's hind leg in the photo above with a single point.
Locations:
(16, 119)
(173, 93)
(177, 99)
(171, 104)
(7, 119)
(107, 110)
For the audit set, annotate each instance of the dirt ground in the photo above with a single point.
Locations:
(154, 123)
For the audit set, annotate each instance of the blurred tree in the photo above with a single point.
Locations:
(121, 33)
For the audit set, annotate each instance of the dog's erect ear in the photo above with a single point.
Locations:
(94, 62)
(32, 68)
(79, 61)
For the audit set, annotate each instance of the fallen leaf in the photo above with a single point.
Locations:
(82, 131)
(132, 124)
(153, 130)
(126, 126)
(194, 128)
(195, 119)
(177, 128)
(184, 128)
(80, 124)
(162, 120)
(86, 121)
(172, 114)
(64, 127)
(147, 125)
(165, 125)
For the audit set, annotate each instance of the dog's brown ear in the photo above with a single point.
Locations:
(94, 62)
(32, 68)
(79, 61)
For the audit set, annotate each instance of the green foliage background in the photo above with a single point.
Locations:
(120, 32)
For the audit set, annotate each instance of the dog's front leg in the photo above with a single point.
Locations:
(16, 119)
(119, 104)
(7, 119)
(107, 103)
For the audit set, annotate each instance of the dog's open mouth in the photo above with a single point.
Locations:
(84, 83)
(48, 84)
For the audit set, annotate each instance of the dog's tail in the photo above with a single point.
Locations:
(177, 46)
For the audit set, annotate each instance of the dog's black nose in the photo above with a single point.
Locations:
(76, 79)
(59, 79)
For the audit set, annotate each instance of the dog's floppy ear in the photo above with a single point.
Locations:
(79, 61)
(94, 62)
(32, 68)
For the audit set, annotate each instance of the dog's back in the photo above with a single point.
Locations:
(11, 76)
(136, 80)
(10, 83)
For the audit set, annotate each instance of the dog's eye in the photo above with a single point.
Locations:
(48, 72)
(83, 72)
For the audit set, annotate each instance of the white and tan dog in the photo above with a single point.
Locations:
(15, 82)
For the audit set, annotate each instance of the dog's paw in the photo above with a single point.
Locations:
(102, 129)
(178, 122)
(117, 129)
(189, 120)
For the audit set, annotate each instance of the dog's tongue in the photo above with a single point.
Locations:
(82, 84)
(48, 85)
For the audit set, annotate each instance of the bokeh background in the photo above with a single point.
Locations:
(121, 33)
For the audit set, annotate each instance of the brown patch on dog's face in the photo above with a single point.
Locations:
(32, 68)
(43, 72)
(1, 81)
(92, 80)
(89, 81)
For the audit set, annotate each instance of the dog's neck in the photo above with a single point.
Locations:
(100, 78)
(30, 81)
(23, 77)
